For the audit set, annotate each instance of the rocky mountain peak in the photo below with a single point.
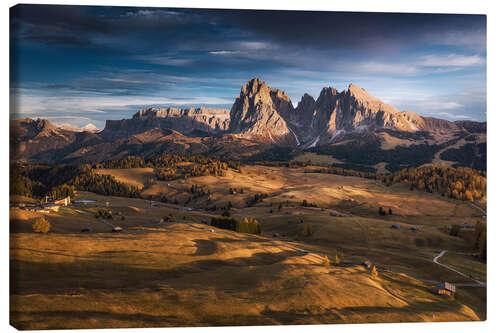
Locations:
(327, 92)
(253, 86)
(306, 102)
(259, 112)
(360, 93)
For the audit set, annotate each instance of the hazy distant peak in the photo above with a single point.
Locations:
(90, 128)
(87, 128)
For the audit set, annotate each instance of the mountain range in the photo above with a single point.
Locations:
(261, 124)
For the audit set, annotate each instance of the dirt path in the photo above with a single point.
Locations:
(442, 253)
(437, 157)
(476, 206)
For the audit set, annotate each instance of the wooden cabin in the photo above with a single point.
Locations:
(66, 201)
(446, 288)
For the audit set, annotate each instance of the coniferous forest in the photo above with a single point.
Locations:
(58, 181)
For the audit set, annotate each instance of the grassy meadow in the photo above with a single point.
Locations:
(187, 273)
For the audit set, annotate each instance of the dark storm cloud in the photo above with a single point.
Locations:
(86, 25)
(356, 30)
(77, 59)
(55, 25)
(201, 29)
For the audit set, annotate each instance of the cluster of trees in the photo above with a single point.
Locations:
(368, 151)
(169, 218)
(199, 191)
(127, 162)
(60, 181)
(62, 191)
(21, 185)
(103, 213)
(308, 204)
(104, 184)
(469, 155)
(289, 164)
(247, 225)
(38, 181)
(381, 211)
(170, 166)
(458, 183)
(345, 172)
(256, 199)
(216, 168)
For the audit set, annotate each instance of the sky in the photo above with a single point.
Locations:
(86, 64)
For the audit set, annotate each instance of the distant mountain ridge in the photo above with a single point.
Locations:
(264, 114)
(262, 124)
(186, 121)
(267, 114)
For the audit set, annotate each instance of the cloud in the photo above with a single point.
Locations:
(453, 116)
(223, 52)
(464, 104)
(441, 105)
(254, 45)
(149, 13)
(450, 60)
(472, 38)
(386, 68)
(83, 108)
(165, 60)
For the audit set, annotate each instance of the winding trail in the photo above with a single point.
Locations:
(476, 206)
(478, 283)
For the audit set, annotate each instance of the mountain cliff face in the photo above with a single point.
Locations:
(258, 114)
(186, 121)
(267, 114)
(335, 113)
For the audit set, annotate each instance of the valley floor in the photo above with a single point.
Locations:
(187, 273)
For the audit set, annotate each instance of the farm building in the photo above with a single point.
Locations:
(117, 229)
(445, 288)
(66, 201)
(367, 264)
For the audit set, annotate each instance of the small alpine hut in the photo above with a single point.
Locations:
(66, 201)
(446, 288)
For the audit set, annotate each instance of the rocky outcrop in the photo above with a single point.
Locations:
(188, 121)
(335, 114)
